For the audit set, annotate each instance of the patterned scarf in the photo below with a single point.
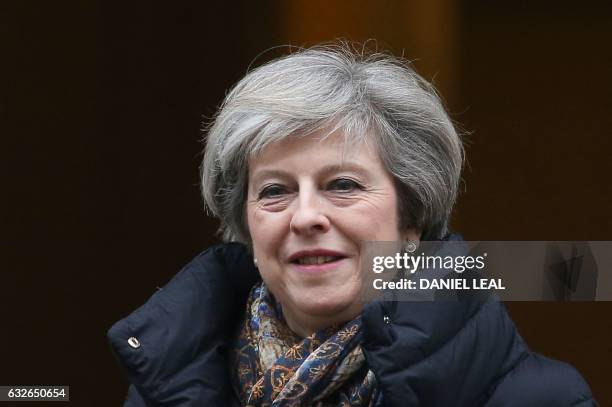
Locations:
(272, 366)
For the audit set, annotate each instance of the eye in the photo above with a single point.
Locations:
(271, 191)
(343, 185)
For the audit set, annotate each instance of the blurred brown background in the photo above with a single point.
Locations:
(100, 110)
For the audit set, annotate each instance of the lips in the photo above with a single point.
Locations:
(315, 261)
(315, 257)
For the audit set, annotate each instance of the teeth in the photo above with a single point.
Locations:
(316, 259)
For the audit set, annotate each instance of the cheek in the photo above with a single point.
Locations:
(267, 231)
(375, 220)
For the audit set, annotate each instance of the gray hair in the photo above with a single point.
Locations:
(335, 87)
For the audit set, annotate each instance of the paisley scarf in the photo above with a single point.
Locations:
(272, 366)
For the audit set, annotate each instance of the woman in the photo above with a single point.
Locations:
(310, 156)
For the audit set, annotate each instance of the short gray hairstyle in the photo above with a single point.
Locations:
(336, 87)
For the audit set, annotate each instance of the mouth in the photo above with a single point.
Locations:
(310, 260)
(316, 260)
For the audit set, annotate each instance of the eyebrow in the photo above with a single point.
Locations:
(327, 169)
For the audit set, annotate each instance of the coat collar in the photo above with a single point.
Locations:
(445, 351)
(183, 329)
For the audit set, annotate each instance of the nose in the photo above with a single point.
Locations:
(308, 217)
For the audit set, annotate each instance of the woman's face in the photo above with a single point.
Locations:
(308, 210)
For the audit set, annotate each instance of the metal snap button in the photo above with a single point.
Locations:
(134, 343)
(386, 319)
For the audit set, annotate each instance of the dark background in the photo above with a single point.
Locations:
(101, 106)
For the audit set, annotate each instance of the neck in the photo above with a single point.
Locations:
(305, 324)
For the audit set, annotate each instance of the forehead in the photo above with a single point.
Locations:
(315, 148)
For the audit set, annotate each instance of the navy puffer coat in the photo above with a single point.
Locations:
(174, 348)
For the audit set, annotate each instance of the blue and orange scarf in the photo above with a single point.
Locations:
(272, 366)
